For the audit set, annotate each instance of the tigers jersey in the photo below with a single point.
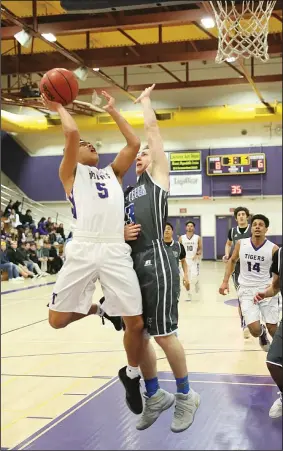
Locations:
(97, 202)
(190, 245)
(255, 263)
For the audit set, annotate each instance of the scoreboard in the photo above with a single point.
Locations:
(236, 164)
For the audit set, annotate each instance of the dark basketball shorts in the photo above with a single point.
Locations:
(159, 279)
(274, 355)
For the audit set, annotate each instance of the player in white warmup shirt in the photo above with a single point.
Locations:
(255, 256)
(98, 250)
(193, 246)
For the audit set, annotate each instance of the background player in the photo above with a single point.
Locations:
(98, 249)
(274, 359)
(158, 274)
(193, 246)
(243, 230)
(255, 256)
(179, 253)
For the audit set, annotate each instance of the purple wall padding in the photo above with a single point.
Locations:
(38, 177)
(208, 252)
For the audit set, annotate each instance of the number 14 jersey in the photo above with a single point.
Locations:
(255, 263)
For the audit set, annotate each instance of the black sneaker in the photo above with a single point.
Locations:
(115, 320)
(264, 341)
(133, 394)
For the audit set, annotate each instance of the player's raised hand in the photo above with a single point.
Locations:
(110, 101)
(259, 297)
(224, 288)
(145, 93)
(52, 106)
(131, 232)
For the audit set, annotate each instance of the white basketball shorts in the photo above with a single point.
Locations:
(87, 262)
(268, 309)
(193, 267)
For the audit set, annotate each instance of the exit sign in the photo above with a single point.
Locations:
(236, 190)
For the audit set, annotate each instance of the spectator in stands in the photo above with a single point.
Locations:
(52, 235)
(29, 236)
(15, 257)
(24, 251)
(60, 229)
(48, 224)
(42, 227)
(16, 207)
(54, 262)
(3, 233)
(42, 257)
(8, 209)
(38, 239)
(14, 219)
(32, 252)
(27, 219)
(6, 265)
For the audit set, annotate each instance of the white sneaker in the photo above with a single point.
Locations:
(264, 341)
(246, 333)
(276, 408)
(18, 279)
(153, 407)
(185, 409)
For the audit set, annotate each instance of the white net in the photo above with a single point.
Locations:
(242, 28)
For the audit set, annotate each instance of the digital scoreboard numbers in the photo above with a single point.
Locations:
(240, 164)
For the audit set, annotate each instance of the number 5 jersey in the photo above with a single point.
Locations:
(97, 201)
(255, 263)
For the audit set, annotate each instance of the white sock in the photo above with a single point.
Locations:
(99, 311)
(132, 371)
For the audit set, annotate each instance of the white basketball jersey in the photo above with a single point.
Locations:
(255, 263)
(97, 201)
(190, 245)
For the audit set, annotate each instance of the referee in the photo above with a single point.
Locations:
(274, 359)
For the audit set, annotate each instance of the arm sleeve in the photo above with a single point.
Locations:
(182, 253)
(274, 265)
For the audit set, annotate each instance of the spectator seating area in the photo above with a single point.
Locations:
(29, 249)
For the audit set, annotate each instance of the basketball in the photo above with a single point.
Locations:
(59, 85)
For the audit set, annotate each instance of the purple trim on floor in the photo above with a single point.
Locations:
(28, 288)
(96, 392)
(232, 302)
(230, 417)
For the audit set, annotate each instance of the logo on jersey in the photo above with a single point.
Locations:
(255, 257)
(148, 263)
(96, 176)
(139, 191)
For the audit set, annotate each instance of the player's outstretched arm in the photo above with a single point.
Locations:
(228, 246)
(229, 269)
(160, 168)
(127, 155)
(72, 142)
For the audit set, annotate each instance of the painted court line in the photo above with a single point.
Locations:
(57, 376)
(31, 287)
(23, 327)
(63, 416)
(221, 382)
(40, 418)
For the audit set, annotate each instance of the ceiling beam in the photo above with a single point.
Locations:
(119, 56)
(201, 83)
(110, 23)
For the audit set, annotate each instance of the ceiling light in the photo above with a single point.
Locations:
(49, 37)
(81, 73)
(208, 22)
(23, 38)
(231, 59)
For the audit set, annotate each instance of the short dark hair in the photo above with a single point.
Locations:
(236, 211)
(190, 222)
(262, 218)
(170, 225)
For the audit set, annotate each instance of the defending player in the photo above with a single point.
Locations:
(193, 246)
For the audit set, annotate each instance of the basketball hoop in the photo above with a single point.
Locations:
(242, 28)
